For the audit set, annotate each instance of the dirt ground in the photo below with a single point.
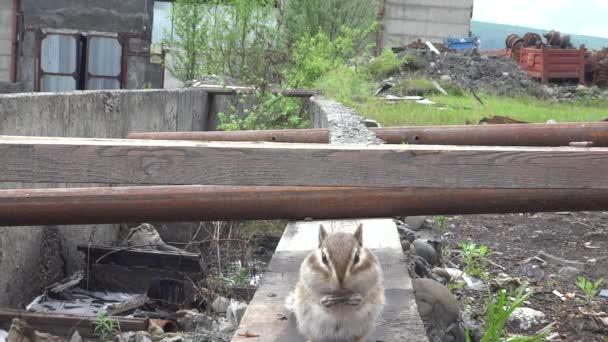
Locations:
(577, 237)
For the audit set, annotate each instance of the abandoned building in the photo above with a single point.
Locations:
(66, 45)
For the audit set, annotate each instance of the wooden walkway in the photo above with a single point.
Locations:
(400, 320)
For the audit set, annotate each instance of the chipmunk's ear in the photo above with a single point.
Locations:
(322, 235)
(359, 234)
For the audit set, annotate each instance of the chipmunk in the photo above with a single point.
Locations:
(340, 293)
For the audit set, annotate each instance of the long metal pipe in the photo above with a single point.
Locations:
(207, 203)
(478, 135)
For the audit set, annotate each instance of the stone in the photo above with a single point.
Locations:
(446, 78)
(406, 233)
(176, 338)
(220, 304)
(568, 273)
(142, 336)
(455, 273)
(227, 326)
(76, 337)
(526, 318)
(603, 293)
(505, 74)
(415, 222)
(235, 312)
(439, 310)
(426, 251)
(195, 322)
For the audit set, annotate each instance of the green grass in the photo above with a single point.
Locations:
(466, 109)
(353, 89)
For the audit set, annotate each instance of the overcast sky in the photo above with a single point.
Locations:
(588, 17)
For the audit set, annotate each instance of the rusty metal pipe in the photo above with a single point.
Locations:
(309, 136)
(481, 135)
(208, 203)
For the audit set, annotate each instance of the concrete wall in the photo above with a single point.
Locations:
(6, 32)
(106, 15)
(434, 20)
(33, 257)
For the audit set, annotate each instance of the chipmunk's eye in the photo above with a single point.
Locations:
(324, 259)
(356, 259)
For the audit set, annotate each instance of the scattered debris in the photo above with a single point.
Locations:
(473, 283)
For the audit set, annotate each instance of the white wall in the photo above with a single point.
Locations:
(434, 20)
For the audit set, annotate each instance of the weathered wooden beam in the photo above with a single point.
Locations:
(399, 321)
(149, 162)
(26, 207)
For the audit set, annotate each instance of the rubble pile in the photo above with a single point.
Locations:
(143, 291)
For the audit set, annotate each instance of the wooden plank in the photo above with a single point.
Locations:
(399, 321)
(150, 162)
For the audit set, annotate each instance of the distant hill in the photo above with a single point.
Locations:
(493, 35)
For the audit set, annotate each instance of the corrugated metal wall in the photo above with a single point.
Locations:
(434, 20)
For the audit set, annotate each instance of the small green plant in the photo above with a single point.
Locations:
(500, 309)
(241, 278)
(456, 286)
(474, 259)
(590, 288)
(104, 327)
(386, 64)
(441, 221)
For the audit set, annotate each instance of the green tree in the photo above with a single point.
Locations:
(309, 17)
(238, 38)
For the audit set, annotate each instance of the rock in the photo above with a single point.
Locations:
(426, 251)
(227, 326)
(142, 336)
(473, 283)
(176, 338)
(441, 275)
(415, 222)
(235, 312)
(455, 273)
(195, 322)
(603, 294)
(220, 304)
(568, 273)
(526, 318)
(439, 311)
(551, 121)
(484, 57)
(446, 78)
(20, 331)
(581, 87)
(405, 244)
(406, 233)
(76, 337)
(505, 74)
